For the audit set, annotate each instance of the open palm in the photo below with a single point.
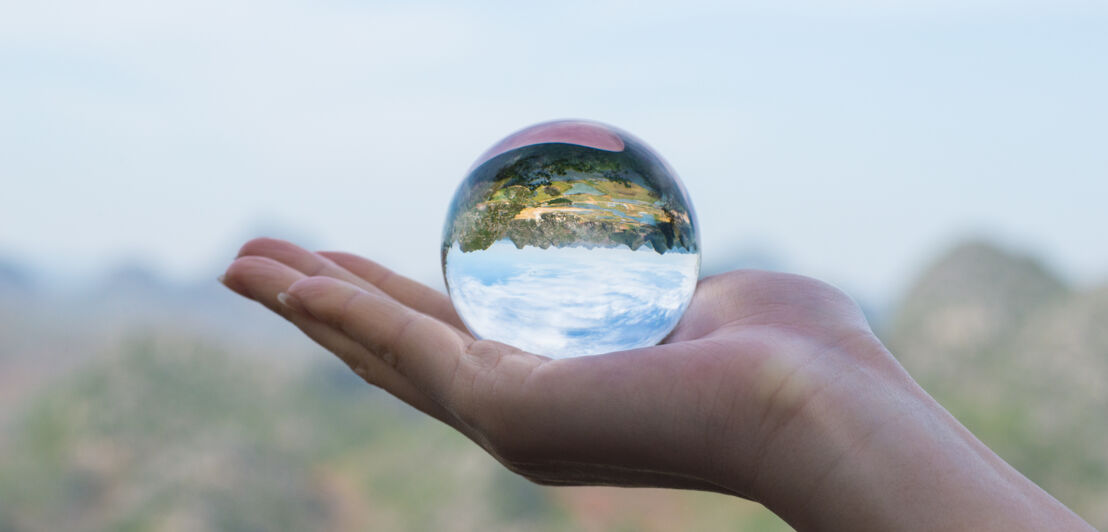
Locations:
(731, 375)
(772, 387)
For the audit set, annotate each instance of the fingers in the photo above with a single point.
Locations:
(411, 293)
(308, 263)
(425, 350)
(363, 273)
(263, 279)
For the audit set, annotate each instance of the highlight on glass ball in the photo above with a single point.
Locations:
(571, 238)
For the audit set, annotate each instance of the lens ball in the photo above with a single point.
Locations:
(571, 238)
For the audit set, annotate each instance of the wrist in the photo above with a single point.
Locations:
(864, 447)
(822, 407)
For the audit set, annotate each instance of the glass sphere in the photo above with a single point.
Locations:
(571, 238)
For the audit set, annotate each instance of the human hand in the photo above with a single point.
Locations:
(772, 387)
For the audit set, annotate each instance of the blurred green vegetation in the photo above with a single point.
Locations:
(179, 435)
(137, 421)
(1021, 359)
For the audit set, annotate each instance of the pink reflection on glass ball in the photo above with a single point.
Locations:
(580, 132)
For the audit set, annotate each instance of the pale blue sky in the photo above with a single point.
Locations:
(853, 139)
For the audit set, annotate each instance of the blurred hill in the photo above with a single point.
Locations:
(14, 278)
(137, 403)
(1021, 359)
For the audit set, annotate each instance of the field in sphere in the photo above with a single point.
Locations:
(571, 238)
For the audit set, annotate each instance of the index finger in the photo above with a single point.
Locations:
(425, 350)
(407, 291)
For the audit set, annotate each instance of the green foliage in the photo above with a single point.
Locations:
(161, 432)
(157, 433)
(153, 433)
(1020, 359)
(641, 219)
(515, 499)
(615, 197)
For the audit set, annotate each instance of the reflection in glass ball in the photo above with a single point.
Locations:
(571, 238)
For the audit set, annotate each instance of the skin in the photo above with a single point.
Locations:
(772, 388)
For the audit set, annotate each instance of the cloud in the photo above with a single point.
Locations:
(571, 301)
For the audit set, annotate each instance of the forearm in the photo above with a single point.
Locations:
(870, 450)
(923, 471)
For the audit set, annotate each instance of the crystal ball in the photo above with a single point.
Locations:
(571, 238)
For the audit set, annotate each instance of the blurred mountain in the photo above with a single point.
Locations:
(139, 402)
(134, 278)
(1021, 359)
(963, 307)
(133, 297)
(18, 288)
(15, 279)
(136, 402)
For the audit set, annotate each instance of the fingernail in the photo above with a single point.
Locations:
(290, 302)
(233, 286)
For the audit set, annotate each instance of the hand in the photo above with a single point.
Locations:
(648, 417)
(772, 387)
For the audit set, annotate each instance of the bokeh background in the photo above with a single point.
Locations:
(942, 161)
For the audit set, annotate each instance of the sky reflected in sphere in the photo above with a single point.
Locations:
(571, 301)
(571, 238)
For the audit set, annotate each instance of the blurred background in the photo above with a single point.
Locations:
(943, 162)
